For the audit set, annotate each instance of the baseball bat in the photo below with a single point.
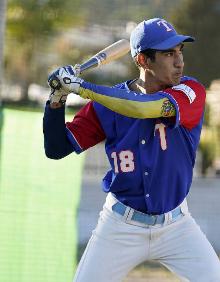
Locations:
(105, 56)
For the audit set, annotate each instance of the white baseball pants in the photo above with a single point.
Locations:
(118, 245)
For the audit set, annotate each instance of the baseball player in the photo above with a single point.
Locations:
(151, 126)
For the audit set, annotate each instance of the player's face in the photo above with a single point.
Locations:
(167, 68)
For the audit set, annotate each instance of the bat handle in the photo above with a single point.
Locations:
(92, 63)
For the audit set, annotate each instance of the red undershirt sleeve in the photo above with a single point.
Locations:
(85, 130)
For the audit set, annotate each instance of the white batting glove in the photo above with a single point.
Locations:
(65, 79)
(57, 96)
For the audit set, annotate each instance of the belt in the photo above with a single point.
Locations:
(143, 218)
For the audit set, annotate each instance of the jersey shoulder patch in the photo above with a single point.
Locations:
(187, 90)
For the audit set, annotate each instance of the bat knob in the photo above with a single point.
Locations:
(54, 83)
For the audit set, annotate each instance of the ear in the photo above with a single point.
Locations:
(143, 61)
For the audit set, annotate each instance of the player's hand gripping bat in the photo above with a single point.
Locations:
(105, 56)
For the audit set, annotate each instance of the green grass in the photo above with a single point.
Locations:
(38, 204)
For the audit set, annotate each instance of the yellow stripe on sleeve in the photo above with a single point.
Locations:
(135, 109)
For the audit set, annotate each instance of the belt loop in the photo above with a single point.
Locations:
(169, 217)
(127, 213)
(110, 200)
(184, 207)
(166, 218)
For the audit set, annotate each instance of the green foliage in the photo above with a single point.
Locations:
(30, 25)
(207, 115)
(208, 153)
(118, 11)
(34, 29)
(28, 19)
(200, 18)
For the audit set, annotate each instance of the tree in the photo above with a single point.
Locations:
(30, 27)
(2, 36)
(200, 18)
(2, 33)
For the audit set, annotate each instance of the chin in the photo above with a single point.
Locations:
(176, 81)
(171, 82)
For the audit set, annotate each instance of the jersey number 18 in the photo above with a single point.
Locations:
(123, 161)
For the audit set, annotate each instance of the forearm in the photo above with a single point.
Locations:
(56, 143)
(128, 103)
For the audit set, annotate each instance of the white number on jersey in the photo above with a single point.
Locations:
(162, 132)
(125, 160)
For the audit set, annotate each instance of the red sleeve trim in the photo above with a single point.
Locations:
(190, 98)
(86, 128)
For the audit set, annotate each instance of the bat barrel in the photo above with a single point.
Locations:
(110, 53)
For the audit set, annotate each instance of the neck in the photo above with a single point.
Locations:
(146, 83)
(146, 86)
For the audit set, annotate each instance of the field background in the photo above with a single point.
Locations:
(38, 204)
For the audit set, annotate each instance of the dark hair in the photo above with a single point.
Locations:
(150, 53)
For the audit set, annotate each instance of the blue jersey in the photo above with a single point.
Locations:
(151, 159)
